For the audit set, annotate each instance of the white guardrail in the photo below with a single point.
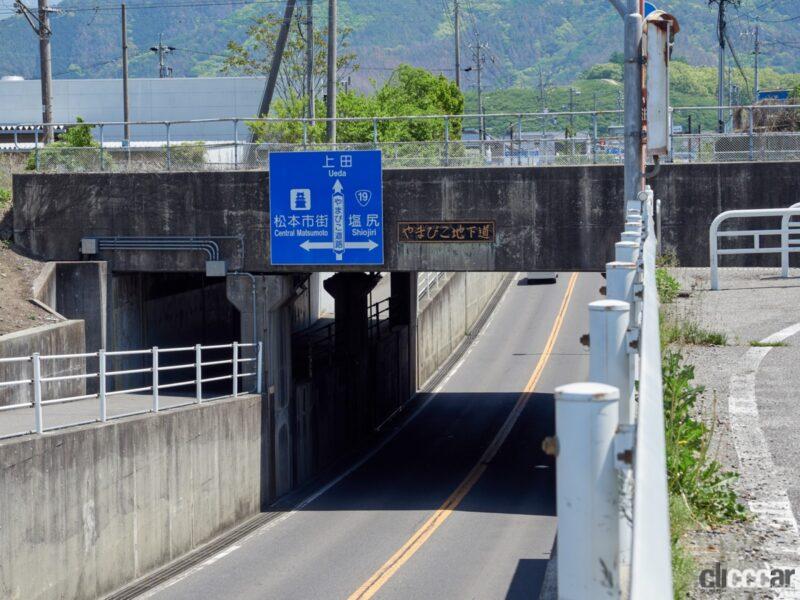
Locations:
(788, 244)
(613, 517)
(103, 376)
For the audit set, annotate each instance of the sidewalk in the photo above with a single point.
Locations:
(751, 402)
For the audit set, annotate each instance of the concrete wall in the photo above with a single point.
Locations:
(446, 319)
(87, 510)
(554, 218)
(66, 337)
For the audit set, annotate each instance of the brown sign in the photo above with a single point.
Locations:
(446, 231)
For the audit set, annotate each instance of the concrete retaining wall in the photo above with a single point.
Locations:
(87, 510)
(445, 320)
(66, 337)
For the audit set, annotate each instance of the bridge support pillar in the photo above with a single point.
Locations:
(350, 293)
(403, 312)
(264, 304)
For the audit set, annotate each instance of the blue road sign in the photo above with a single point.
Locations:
(648, 8)
(326, 208)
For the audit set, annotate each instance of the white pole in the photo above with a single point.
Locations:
(620, 277)
(626, 252)
(37, 392)
(588, 547)
(198, 373)
(713, 258)
(101, 359)
(155, 379)
(609, 361)
(235, 378)
(260, 364)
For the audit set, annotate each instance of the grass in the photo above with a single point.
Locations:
(756, 344)
(5, 197)
(700, 492)
(681, 332)
(684, 568)
(689, 333)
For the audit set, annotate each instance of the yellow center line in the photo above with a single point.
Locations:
(415, 542)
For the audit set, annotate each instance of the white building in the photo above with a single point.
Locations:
(96, 100)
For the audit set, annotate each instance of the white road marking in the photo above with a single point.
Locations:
(772, 506)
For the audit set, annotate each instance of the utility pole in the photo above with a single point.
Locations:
(310, 58)
(40, 23)
(572, 93)
(480, 60)
(162, 51)
(721, 25)
(125, 106)
(46, 67)
(543, 102)
(634, 156)
(277, 57)
(457, 26)
(332, 69)
(756, 52)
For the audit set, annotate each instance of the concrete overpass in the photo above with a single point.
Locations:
(551, 218)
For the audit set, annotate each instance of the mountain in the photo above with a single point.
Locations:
(562, 38)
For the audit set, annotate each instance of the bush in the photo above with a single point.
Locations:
(74, 151)
(668, 287)
(188, 155)
(5, 197)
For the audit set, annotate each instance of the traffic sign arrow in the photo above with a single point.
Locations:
(338, 187)
(308, 245)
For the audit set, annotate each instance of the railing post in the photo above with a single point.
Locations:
(37, 392)
(235, 377)
(236, 144)
(155, 379)
(609, 361)
(624, 447)
(785, 245)
(750, 132)
(713, 257)
(101, 378)
(519, 138)
(102, 155)
(374, 133)
(198, 373)
(36, 147)
(169, 149)
(260, 366)
(447, 141)
(626, 252)
(586, 490)
(305, 134)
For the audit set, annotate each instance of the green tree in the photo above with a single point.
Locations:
(254, 56)
(409, 91)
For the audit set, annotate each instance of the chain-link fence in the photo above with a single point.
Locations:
(759, 133)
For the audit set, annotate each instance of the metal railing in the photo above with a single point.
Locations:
(788, 242)
(754, 133)
(429, 283)
(105, 376)
(613, 517)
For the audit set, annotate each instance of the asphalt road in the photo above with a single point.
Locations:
(459, 503)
